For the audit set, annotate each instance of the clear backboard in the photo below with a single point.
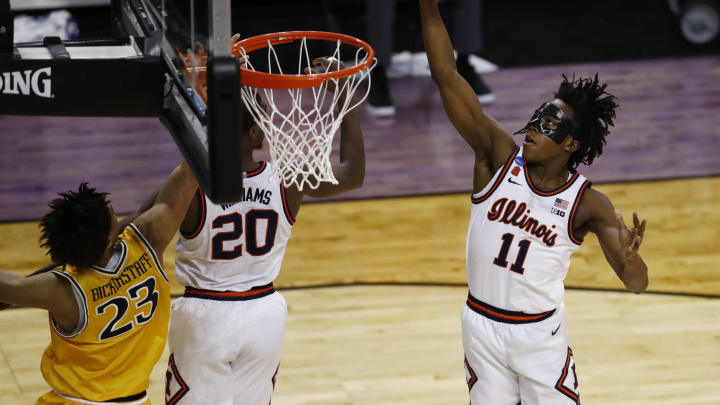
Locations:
(202, 105)
(166, 59)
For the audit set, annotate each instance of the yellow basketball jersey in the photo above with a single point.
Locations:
(124, 316)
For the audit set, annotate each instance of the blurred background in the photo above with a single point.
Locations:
(516, 33)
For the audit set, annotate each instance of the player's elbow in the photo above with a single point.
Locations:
(352, 173)
(356, 180)
(639, 285)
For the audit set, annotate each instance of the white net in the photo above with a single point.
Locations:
(300, 124)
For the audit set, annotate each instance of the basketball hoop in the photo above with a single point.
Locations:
(301, 118)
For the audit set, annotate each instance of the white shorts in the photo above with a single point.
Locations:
(513, 358)
(225, 351)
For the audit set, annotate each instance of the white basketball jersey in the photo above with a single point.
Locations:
(237, 246)
(520, 239)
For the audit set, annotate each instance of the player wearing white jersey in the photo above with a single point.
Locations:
(531, 210)
(227, 330)
(250, 235)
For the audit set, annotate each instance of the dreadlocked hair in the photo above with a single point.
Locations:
(77, 228)
(594, 114)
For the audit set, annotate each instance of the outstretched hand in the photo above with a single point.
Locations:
(234, 40)
(630, 239)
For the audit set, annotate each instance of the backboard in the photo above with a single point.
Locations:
(203, 107)
(165, 58)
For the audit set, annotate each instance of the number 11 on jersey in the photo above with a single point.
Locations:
(501, 259)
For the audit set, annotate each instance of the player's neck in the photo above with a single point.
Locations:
(548, 175)
(105, 258)
(249, 163)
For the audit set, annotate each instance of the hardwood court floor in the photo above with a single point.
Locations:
(378, 345)
(401, 344)
(422, 239)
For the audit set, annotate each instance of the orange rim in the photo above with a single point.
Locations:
(265, 80)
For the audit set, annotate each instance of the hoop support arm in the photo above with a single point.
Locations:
(224, 122)
(177, 118)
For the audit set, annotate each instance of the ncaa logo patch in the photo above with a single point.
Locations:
(519, 161)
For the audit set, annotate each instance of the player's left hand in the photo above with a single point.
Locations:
(630, 239)
(243, 59)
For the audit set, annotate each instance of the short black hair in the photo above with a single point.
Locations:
(594, 114)
(77, 228)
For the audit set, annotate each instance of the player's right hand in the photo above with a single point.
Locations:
(328, 64)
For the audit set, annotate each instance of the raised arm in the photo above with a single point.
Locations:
(619, 243)
(491, 143)
(350, 171)
(146, 205)
(160, 223)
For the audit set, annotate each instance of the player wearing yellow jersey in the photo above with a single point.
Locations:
(109, 306)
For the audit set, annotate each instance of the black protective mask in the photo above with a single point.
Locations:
(564, 128)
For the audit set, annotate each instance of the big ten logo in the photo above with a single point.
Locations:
(27, 82)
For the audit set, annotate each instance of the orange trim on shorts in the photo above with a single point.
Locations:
(559, 385)
(183, 385)
(473, 377)
(255, 292)
(505, 316)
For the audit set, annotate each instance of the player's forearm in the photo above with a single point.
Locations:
(45, 269)
(437, 42)
(352, 149)
(177, 192)
(146, 205)
(635, 274)
(8, 287)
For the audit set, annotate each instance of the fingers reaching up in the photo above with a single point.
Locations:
(630, 239)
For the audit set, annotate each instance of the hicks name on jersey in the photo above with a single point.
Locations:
(512, 213)
(128, 274)
(257, 195)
